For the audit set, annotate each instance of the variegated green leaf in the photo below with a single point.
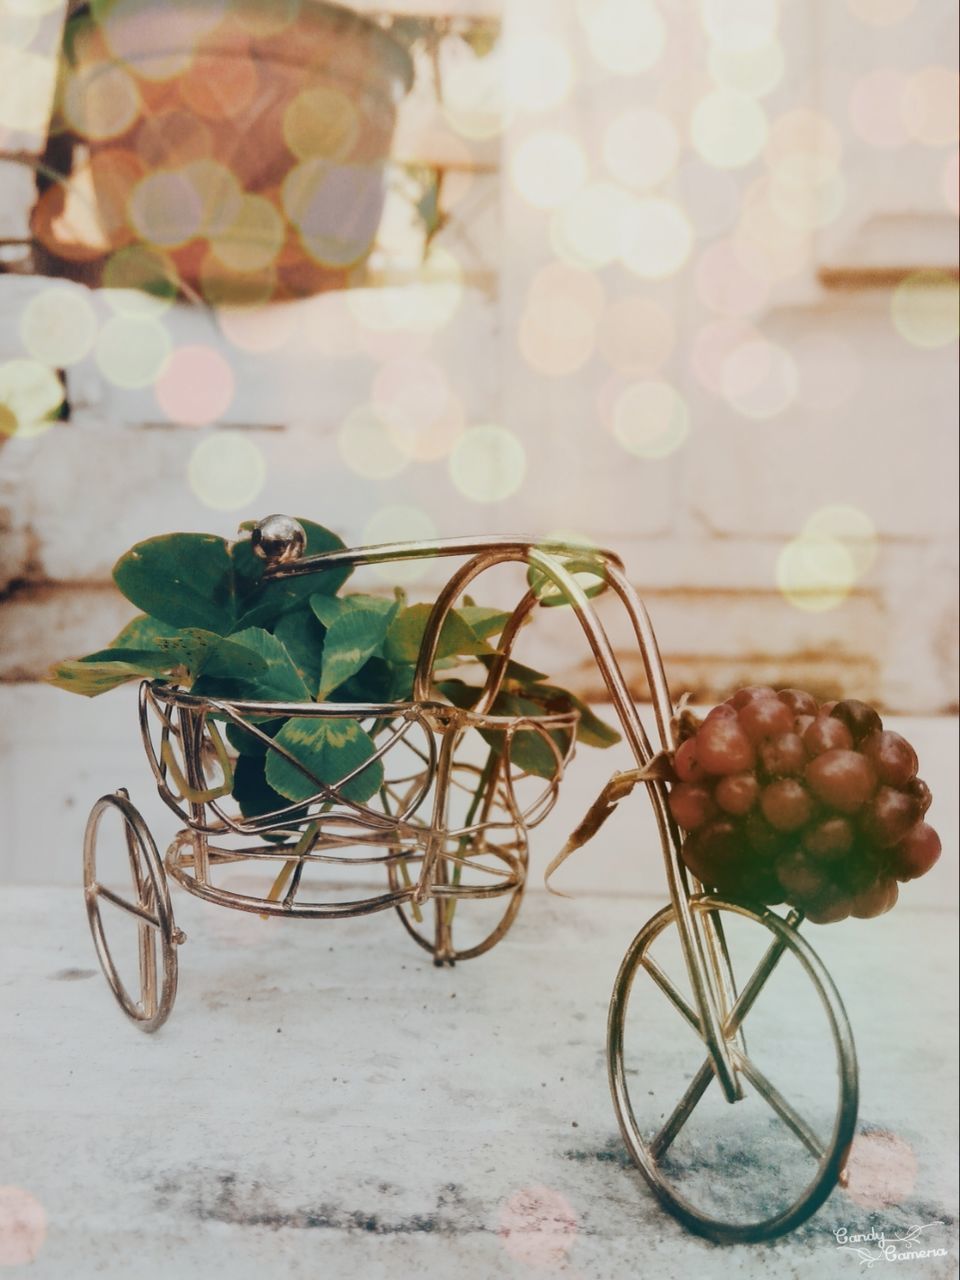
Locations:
(330, 749)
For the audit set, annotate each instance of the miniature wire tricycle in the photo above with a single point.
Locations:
(447, 828)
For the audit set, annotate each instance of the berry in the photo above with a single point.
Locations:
(842, 779)
(830, 839)
(780, 799)
(723, 747)
(916, 853)
(786, 804)
(686, 764)
(799, 702)
(783, 756)
(826, 734)
(921, 793)
(691, 805)
(764, 718)
(893, 759)
(743, 696)
(712, 854)
(858, 717)
(737, 793)
(888, 817)
(803, 880)
(875, 901)
(802, 723)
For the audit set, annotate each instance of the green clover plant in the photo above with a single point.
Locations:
(211, 624)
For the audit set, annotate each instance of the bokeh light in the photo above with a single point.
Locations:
(399, 523)
(881, 1170)
(587, 230)
(166, 209)
(30, 396)
(876, 108)
(931, 106)
(101, 101)
(253, 239)
(924, 309)
(725, 285)
(23, 1226)
(759, 379)
(258, 329)
(548, 168)
(728, 129)
(849, 526)
(366, 444)
(58, 327)
(423, 415)
(656, 238)
(321, 121)
(488, 463)
(740, 26)
(815, 573)
(803, 145)
(227, 470)
(558, 327)
(196, 386)
(538, 71)
(641, 147)
(755, 72)
(805, 206)
(651, 419)
(624, 36)
(130, 351)
(636, 335)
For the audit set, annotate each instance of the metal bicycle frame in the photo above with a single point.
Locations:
(703, 948)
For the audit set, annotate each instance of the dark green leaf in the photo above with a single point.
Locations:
(279, 680)
(245, 742)
(351, 640)
(330, 749)
(302, 637)
(330, 609)
(182, 579)
(251, 790)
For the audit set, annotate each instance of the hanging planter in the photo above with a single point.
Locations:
(233, 150)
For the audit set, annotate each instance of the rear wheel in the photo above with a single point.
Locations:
(157, 936)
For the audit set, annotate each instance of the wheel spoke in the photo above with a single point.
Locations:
(139, 911)
(671, 992)
(769, 1092)
(681, 1112)
(748, 995)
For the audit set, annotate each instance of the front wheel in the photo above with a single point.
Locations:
(757, 1167)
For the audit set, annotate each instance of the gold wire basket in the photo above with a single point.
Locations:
(449, 827)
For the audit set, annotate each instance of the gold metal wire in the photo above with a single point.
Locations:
(408, 830)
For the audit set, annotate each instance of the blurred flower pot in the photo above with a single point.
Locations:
(233, 147)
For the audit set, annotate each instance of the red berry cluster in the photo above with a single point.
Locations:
(787, 800)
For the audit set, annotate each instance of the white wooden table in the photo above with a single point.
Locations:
(325, 1103)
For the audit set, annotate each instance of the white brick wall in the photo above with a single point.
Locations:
(872, 423)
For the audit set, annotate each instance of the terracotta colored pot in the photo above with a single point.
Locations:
(237, 146)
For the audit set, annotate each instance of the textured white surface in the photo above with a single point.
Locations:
(323, 1102)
